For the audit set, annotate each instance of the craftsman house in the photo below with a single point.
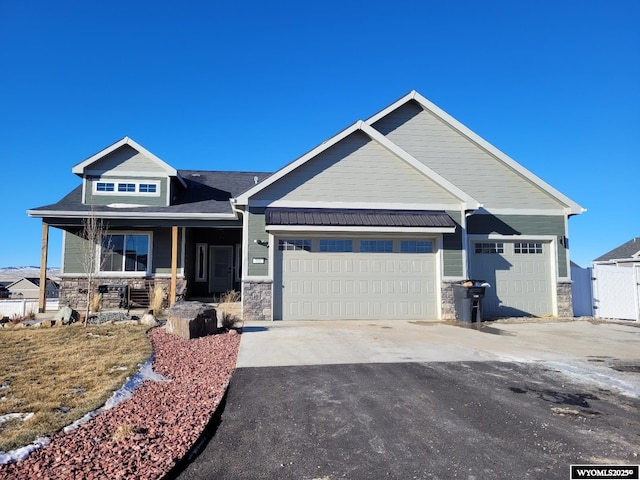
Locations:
(377, 222)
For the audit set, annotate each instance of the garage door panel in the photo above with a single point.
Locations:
(521, 281)
(357, 285)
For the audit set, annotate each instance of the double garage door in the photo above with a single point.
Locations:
(520, 275)
(355, 278)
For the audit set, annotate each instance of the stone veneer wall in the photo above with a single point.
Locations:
(256, 300)
(448, 302)
(565, 300)
(73, 290)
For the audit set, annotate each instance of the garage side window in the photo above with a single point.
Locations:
(376, 246)
(416, 246)
(490, 247)
(331, 245)
(535, 248)
(295, 244)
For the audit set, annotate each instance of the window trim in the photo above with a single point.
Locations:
(125, 273)
(202, 251)
(117, 182)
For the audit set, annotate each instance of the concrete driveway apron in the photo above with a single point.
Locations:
(320, 400)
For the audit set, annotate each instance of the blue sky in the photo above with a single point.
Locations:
(252, 85)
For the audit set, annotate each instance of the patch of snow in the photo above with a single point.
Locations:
(601, 376)
(23, 452)
(16, 416)
(126, 391)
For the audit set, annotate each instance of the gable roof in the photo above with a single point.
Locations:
(628, 250)
(573, 207)
(81, 167)
(469, 202)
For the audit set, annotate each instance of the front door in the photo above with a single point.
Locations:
(220, 269)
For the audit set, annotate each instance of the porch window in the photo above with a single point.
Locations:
(125, 253)
(201, 262)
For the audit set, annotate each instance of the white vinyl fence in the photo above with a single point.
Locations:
(616, 292)
(22, 308)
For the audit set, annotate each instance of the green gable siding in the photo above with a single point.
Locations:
(523, 225)
(127, 160)
(357, 169)
(452, 255)
(156, 200)
(256, 227)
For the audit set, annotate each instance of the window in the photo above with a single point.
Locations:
(296, 244)
(416, 246)
(104, 187)
(490, 247)
(535, 248)
(201, 262)
(127, 187)
(336, 246)
(147, 188)
(125, 253)
(376, 246)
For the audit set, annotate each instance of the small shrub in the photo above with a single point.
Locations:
(156, 300)
(228, 321)
(230, 297)
(96, 303)
(124, 431)
(16, 318)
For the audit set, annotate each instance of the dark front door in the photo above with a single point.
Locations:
(220, 269)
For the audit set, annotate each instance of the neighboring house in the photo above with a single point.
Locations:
(616, 282)
(4, 291)
(378, 222)
(29, 288)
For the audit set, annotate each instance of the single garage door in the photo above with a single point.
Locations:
(520, 276)
(355, 278)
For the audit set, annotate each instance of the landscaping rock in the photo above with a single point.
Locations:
(192, 320)
(149, 320)
(65, 316)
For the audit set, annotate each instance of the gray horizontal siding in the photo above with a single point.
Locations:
(161, 253)
(523, 225)
(357, 169)
(256, 231)
(461, 161)
(75, 250)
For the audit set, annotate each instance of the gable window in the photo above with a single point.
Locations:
(416, 246)
(376, 246)
(295, 244)
(331, 245)
(535, 248)
(125, 253)
(147, 188)
(490, 247)
(127, 187)
(104, 187)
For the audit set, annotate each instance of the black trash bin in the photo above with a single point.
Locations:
(468, 297)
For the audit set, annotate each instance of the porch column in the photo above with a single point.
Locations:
(174, 265)
(42, 306)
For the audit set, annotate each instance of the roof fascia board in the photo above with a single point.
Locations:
(244, 197)
(521, 211)
(79, 169)
(573, 207)
(359, 205)
(361, 229)
(131, 215)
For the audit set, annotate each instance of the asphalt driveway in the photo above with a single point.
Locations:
(473, 418)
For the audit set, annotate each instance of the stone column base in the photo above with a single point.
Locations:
(256, 300)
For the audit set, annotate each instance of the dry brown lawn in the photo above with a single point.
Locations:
(61, 374)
